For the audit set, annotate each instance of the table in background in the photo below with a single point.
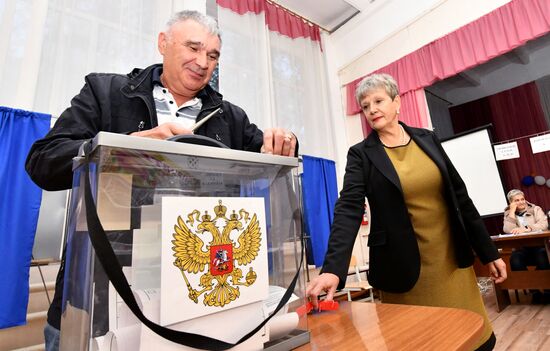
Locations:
(517, 279)
(370, 326)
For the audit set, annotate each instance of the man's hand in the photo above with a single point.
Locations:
(326, 282)
(498, 270)
(164, 131)
(279, 141)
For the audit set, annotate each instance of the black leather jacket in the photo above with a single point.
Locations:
(123, 104)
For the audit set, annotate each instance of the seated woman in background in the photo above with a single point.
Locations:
(520, 217)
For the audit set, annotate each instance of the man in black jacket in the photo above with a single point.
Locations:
(160, 101)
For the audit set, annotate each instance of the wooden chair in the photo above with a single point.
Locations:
(360, 284)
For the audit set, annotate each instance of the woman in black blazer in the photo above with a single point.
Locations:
(424, 225)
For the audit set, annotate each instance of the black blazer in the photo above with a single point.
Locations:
(394, 257)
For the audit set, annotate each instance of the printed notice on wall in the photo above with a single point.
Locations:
(506, 151)
(540, 143)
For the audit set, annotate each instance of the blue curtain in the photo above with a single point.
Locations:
(19, 205)
(320, 193)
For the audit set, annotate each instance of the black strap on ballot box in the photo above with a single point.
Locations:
(113, 270)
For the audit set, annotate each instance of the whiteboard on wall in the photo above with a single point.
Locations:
(472, 155)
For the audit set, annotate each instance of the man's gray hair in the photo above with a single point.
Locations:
(376, 81)
(206, 21)
(512, 193)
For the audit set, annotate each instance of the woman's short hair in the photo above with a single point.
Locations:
(512, 193)
(376, 81)
(206, 21)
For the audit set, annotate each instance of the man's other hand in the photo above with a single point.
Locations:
(164, 131)
(279, 141)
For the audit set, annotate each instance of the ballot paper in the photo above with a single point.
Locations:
(228, 326)
(275, 295)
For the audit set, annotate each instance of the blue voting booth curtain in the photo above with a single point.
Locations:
(19, 205)
(320, 193)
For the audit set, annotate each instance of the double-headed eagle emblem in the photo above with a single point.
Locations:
(221, 255)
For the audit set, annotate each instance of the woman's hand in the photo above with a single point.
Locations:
(512, 210)
(326, 282)
(498, 270)
(520, 230)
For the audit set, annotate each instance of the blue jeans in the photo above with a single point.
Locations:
(529, 256)
(51, 336)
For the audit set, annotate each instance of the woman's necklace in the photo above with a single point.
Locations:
(403, 138)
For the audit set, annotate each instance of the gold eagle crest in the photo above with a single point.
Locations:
(220, 283)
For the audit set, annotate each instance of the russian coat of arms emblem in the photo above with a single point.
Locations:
(235, 242)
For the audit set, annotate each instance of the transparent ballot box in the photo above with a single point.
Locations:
(208, 240)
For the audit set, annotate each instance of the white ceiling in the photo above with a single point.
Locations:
(329, 14)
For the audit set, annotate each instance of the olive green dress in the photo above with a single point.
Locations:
(441, 282)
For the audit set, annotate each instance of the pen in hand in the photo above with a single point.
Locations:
(202, 121)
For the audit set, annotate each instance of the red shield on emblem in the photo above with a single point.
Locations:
(221, 259)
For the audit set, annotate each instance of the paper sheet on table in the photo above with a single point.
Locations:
(517, 235)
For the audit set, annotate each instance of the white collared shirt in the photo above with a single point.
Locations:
(169, 111)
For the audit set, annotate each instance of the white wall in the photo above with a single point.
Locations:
(399, 28)
(339, 118)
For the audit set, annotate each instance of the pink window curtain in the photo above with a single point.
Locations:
(492, 35)
(414, 109)
(277, 19)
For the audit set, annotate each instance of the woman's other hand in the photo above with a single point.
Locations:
(512, 210)
(326, 282)
(498, 270)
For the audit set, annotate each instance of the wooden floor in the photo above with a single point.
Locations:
(520, 326)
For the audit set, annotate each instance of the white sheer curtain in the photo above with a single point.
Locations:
(48, 46)
(278, 81)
